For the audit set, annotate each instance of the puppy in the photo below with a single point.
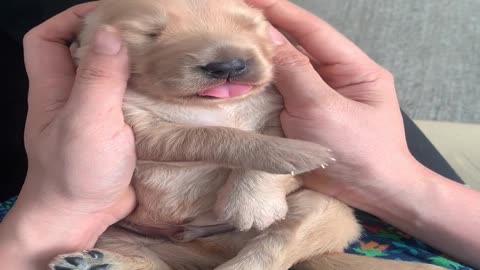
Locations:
(215, 177)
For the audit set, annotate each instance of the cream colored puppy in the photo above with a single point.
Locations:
(215, 178)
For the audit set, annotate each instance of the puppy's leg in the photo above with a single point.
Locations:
(115, 250)
(225, 146)
(120, 250)
(99, 259)
(315, 224)
(343, 261)
(254, 199)
(259, 198)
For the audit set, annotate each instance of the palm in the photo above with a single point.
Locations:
(362, 88)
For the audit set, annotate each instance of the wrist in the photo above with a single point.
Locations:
(400, 193)
(431, 208)
(40, 234)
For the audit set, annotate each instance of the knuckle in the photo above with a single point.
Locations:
(377, 74)
(93, 73)
(387, 75)
(29, 37)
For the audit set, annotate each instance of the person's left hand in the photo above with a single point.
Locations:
(80, 151)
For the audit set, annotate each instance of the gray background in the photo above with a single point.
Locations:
(432, 47)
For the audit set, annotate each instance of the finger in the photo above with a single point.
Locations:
(101, 78)
(47, 57)
(318, 38)
(321, 183)
(124, 206)
(296, 79)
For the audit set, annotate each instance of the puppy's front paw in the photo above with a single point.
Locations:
(247, 210)
(88, 260)
(294, 156)
(246, 264)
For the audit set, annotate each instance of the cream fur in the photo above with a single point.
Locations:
(201, 159)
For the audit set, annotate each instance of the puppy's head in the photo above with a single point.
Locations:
(190, 49)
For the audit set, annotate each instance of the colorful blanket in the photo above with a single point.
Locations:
(385, 241)
(379, 240)
(5, 206)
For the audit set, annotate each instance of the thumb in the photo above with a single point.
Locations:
(102, 76)
(296, 79)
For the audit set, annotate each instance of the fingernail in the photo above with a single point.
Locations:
(107, 41)
(277, 37)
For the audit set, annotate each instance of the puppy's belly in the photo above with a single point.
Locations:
(176, 193)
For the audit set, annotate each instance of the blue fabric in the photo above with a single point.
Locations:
(385, 241)
(5, 206)
(379, 240)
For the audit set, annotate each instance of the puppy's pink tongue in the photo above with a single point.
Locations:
(226, 90)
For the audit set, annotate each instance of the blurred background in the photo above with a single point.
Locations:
(432, 47)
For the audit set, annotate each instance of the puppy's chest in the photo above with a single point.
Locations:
(251, 114)
(233, 116)
(239, 115)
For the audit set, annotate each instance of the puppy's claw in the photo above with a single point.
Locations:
(298, 157)
(95, 254)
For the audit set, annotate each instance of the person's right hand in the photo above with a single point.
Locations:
(340, 98)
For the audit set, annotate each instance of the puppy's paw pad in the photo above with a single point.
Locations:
(87, 260)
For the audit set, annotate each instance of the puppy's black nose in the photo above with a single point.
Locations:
(226, 69)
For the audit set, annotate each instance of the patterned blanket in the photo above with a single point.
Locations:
(385, 241)
(379, 240)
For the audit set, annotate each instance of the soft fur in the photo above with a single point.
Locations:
(206, 161)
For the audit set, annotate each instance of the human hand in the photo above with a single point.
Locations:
(81, 153)
(335, 95)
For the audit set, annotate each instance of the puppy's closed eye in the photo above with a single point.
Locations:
(141, 36)
(142, 31)
(150, 35)
(153, 34)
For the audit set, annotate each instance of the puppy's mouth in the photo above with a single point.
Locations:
(225, 90)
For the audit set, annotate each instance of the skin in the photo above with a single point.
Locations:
(336, 97)
(81, 152)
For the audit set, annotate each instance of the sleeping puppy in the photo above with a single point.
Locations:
(216, 179)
